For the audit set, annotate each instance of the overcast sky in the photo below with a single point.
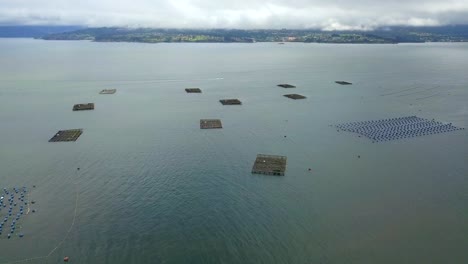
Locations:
(323, 14)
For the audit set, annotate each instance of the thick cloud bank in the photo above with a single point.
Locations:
(322, 14)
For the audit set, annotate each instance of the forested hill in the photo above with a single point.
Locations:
(34, 31)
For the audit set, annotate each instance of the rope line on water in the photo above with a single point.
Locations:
(72, 224)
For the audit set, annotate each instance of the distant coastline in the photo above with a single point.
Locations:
(389, 35)
(382, 36)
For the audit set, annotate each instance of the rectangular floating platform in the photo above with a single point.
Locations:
(108, 91)
(230, 102)
(66, 135)
(210, 123)
(270, 165)
(343, 83)
(397, 128)
(79, 107)
(285, 85)
(295, 96)
(193, 90)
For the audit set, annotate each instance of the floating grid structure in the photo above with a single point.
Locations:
(210, 123)
(285, 85)
(66, 135)
(14, 205)
(230, 102)
(270, 165)
(193, 90)
(343, 83)
(79, 107)
(295, 96)
(397, 128)
(108, 91)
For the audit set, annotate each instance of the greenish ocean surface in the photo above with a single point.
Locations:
(154, 188)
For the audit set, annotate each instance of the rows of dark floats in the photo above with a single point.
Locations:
(397, 128)
(13, 208)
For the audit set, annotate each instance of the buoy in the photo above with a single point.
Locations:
(310, 169)
(66, 259)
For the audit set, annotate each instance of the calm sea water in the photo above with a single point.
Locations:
(154, 188)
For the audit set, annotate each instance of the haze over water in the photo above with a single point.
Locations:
(154, 188)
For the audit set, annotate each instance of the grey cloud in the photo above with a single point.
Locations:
(329, 15)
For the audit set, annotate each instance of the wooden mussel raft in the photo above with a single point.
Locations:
(108, 91)
(66, 135)
(193, 90)
(210, 124)
(285, 85)
(270, 165)
(295, 96)
(230, 102)
(79, 107)
(343, 83)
